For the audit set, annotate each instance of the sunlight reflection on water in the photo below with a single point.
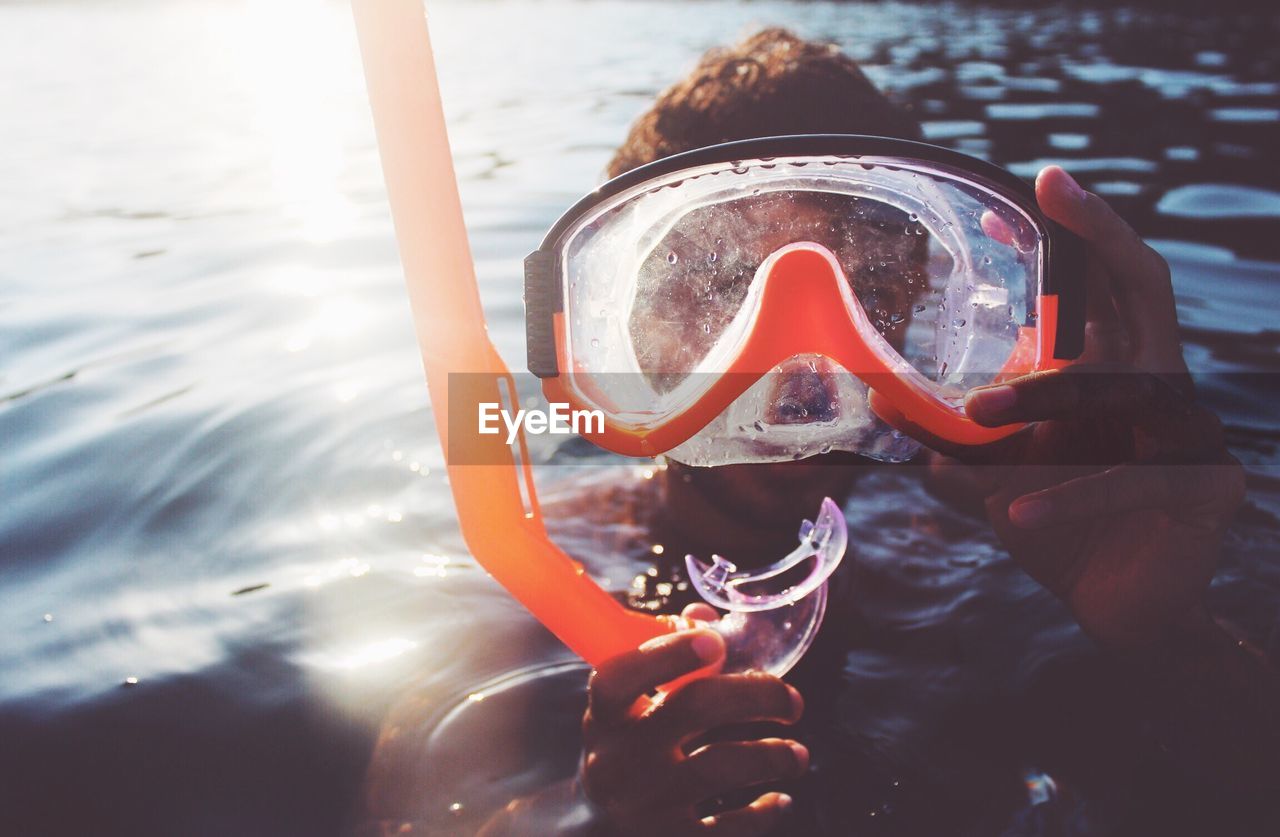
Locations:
(221, 475)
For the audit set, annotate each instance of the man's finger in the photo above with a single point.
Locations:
(757, 818)
(723, 700)
(1000, 450)
(1077, 392)
(1140, 281)
(1128, 488)
(617, 684)
(718, 769)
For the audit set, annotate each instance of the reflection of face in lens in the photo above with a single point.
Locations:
(694, 280)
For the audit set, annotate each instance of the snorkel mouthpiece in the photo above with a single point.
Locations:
(772, 620)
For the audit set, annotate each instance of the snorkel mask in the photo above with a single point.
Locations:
(777, 298)
(597, 284)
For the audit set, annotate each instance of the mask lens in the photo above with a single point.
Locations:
(660, 283)
(693, 282)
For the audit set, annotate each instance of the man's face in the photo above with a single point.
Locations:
(704, 268)
(697, 278)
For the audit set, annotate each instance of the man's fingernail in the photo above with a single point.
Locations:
(708, 647)
(996, 400)
(1073, 188)
(801, 753)
(656, 642)
(784, 801)
(1029, 512)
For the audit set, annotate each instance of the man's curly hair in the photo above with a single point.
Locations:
(771, 83)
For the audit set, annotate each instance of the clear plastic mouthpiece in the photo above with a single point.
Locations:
(774, 612)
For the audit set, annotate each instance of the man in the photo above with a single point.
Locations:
(1115, 500)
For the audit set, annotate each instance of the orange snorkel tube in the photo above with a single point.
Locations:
(504, 532)
(773, 612)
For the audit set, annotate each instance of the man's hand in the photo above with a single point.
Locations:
(1117, 497)
(643, 766)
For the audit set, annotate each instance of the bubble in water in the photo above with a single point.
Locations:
(896, 317)
(919, 309)
(958, 322)
(595, 342)
(914, 217)
(672, 258)
(706, 328)
(713, 257)
(759, 426)
(986, 260)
